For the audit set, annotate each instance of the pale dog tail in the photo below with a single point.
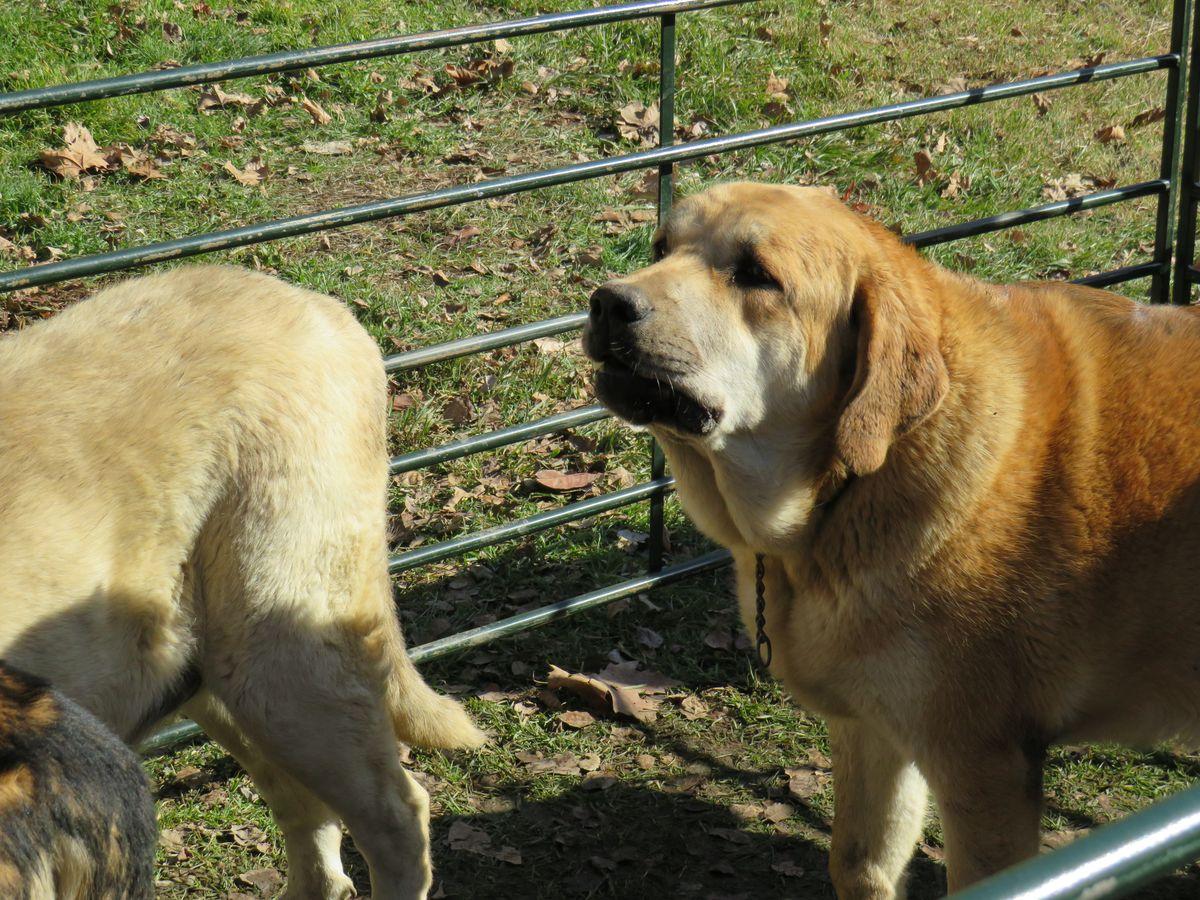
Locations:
(421, 716)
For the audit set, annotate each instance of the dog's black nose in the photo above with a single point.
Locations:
(614, 305)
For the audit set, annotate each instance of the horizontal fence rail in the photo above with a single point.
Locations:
(293, 60)
(294, 226)
(1112, 861)
(420, 459)
(571, 512)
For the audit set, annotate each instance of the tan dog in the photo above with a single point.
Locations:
(194, 476)
(979, 504)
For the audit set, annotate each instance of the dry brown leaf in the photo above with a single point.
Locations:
(1068, 186)
(648, 637)
(250, 175)
(694, 708)
(956, 185)
(78, 155)
(475, 840)
(719, 638)
(562, 764)
(611, 691)
(564, 481)
(459, 411)
(314, 109)
(777, 812)
(139, 165)
(266, 881)
(577, 718)
(1157, 114)
(1042, 102)
(788, 869)
(954, 85)
(806, 782)
(212, 97)
(926, 173)
(777, 87)
(1110, 134)
(638, 122)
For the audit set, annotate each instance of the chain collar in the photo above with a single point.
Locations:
(762, 643)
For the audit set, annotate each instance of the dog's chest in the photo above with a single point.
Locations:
(832, 659)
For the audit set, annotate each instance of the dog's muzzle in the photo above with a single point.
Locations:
(629, 381)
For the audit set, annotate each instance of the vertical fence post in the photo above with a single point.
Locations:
(666, 135)
(1173, 128)
(1185, 236)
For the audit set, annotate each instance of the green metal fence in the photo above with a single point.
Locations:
(1113, 857)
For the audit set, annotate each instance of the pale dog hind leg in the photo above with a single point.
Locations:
(312, 833)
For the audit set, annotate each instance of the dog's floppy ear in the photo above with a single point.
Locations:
(900, 376)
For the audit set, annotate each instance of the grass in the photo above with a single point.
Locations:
(687, 806)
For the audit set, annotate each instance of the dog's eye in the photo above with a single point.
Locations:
(658, 249)
(749, 273)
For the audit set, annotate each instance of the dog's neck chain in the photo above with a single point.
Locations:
(762, 644)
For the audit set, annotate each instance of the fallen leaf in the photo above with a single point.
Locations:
(267, 881)
(957, 184)
(212, 97)
(605, 693)
(1157, 114)
(925, 170)
(459, 411)
(327, 148)
(1070, 185)
(172, 33)
(139, 165)
(475, 840)
(638, 122)
(251, 174)
(720, 638)
(1110, 134)
(564, 481)
(954, 85)
(313, 108)
(648, 637)
(577, 718)
(777, 812)
(80, 154)
(806, 782)
(562, 764)
(1042, 102)
(694, 708)
(787, 868)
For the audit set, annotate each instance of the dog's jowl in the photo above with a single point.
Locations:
(76, 815)
(977, 505)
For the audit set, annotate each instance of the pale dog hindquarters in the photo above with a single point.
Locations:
(979, 504)
(195, 470)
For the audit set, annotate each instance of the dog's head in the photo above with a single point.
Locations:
(766, 305)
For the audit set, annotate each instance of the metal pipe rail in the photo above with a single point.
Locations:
(502, 437)
(294, 226)
(477, 540)
(1112, 861)
(292, 60)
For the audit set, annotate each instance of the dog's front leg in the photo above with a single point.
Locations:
(879, 801)
(990, 802)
